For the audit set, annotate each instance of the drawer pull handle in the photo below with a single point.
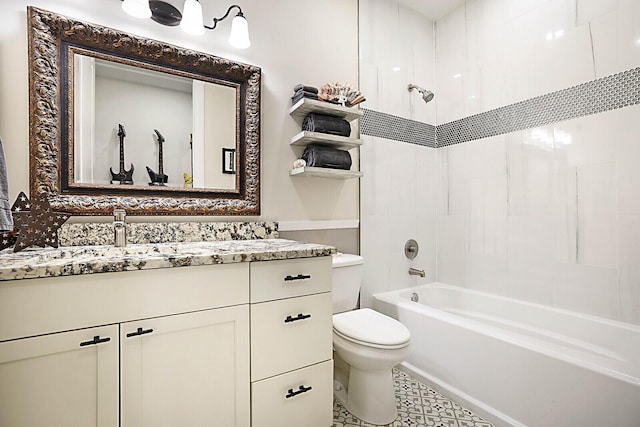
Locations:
(298, 317)
(298, 277)
(300, 390)
(140, 331)
(94, 341)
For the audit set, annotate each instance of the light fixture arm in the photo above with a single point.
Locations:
(226, 15)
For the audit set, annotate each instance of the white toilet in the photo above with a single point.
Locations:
(367, 345)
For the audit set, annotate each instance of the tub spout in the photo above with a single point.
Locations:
(416, 272)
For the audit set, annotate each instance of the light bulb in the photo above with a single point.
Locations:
(239, 36)
(192, 18)
(137, 8)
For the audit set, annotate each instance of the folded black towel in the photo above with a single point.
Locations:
(302, 94)
(326, 124)
(326, 157)
(311, 89)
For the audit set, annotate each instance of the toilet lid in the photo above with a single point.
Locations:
(369, 326)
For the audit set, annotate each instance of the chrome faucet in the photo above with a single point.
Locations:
(120, 232)
(416, 272)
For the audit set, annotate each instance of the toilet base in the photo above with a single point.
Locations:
(369, 395)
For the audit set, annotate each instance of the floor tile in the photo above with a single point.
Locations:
(418, 406)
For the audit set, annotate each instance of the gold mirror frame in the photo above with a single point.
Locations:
(49, 108)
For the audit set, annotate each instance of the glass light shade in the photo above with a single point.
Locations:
(192, 18)
(239, 36)
(137, 8)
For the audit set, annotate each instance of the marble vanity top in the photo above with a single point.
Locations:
(74, 260)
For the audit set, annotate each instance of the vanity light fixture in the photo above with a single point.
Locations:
(190, 20)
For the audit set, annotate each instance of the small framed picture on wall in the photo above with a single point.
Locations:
(228, 160)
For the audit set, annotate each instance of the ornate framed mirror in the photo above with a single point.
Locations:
(120, 121)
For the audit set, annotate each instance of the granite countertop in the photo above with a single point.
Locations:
(74, 260)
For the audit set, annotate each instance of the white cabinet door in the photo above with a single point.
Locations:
(186, 370)
(60, 380)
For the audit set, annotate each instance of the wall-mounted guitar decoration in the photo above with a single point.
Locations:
(124, 176)
(158, 178)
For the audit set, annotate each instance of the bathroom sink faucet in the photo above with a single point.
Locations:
(120, 232)
(416, 272)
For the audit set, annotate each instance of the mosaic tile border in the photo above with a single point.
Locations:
(383, 125)
(597, 96)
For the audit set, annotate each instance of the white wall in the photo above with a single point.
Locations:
(291, 44)
(398, 189)
(550, 214)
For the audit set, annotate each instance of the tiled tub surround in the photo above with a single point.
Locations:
(518, 363)
(549, 215)
(597, 96)
(85, 234)
(75, 260)
(382, 125)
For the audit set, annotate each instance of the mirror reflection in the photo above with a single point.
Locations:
(135, 127)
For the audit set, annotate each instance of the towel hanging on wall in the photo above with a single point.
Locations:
(6, 219)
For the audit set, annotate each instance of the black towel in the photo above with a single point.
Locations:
(326, 157)
(302, 94)
(326, 124)
(300, 87)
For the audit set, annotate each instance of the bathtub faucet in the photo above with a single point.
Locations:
(416, 272)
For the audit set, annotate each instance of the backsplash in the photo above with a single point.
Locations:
(84, 234)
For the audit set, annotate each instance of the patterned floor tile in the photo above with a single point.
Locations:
(418, 406)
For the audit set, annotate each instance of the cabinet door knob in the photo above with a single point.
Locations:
(300, 390)
(298, 317)
(94, 341)
(290, 278)
(140, 331)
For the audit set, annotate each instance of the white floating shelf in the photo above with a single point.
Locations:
(325, 173)
(342, 142)
(306, 106)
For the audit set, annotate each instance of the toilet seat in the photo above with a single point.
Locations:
(371, 329)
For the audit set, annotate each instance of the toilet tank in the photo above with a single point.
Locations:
(347, 278)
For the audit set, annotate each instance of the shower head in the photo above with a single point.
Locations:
(427, 95)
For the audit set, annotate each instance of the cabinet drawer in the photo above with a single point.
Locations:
(271, 280)
(302, 398)
(290, 334)
(105, 298)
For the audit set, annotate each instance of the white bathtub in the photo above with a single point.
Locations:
(517, 363)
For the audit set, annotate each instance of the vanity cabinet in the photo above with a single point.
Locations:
(304, 138)
(236, 344)
(175, 350)
(291, 343)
